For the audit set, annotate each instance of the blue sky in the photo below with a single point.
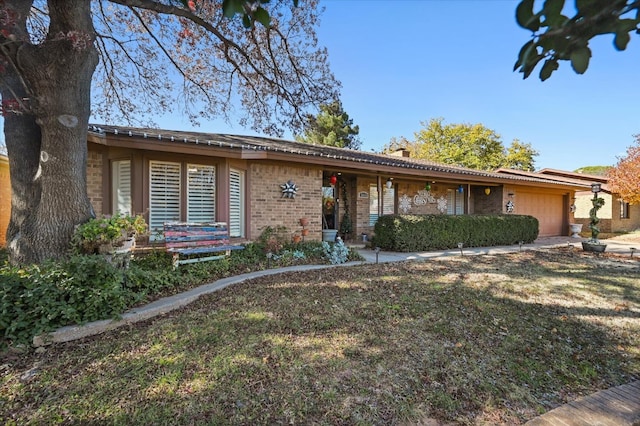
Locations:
(403, 62)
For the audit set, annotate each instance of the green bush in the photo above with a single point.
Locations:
(440, 232)
(40, 298)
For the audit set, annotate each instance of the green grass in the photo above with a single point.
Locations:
(473, 340)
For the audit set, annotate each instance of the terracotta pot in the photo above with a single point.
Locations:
(297, 238)
(304, 221)
(304, 232)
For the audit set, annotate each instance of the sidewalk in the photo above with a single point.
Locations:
(613, 246)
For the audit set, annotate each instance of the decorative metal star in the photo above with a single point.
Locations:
(510, 206)
(289, 189)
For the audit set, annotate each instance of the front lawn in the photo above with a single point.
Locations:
(463, 340)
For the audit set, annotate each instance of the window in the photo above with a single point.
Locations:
(388, 202)
(236, 203)
(164, 193)
(624, 210)
(455, 202)
(201, 190)
(121, 183)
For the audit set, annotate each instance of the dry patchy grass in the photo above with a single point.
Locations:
(465, 340)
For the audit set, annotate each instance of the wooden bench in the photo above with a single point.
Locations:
(181, 238)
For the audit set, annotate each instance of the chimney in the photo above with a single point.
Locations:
(404, 153)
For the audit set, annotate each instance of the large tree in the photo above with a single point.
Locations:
(51, 50)
(557, 37)
(331, 126)
(467, 145)
(624, 178)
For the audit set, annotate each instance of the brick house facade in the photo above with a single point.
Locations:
(172, 175)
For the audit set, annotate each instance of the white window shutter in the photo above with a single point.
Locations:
(164, 193)
(121, 175)
(236, 204)
(201, 193)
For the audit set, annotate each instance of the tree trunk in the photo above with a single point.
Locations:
(57, 77)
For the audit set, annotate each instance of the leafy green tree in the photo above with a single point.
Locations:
(52, 50)
(468, 145)
(557, 37)
(520, 156)
(332, 127)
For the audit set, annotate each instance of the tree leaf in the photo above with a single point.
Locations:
(550, 65)
(580, 59)
(246, 21)
(523, 56)
(262, 16)
(553, 7)
(231, 7)
(525, 16)
(621, 40)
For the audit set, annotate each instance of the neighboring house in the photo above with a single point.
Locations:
(254, 182)
(5, 198)
(615, 216)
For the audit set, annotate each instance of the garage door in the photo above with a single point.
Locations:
(547, 208)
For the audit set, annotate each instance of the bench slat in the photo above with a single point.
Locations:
(208, 249)
(197, 238)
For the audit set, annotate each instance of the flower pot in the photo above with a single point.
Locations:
(304, 232)
(297, 239)
(329, 235)
(593, 247)
(576, 228)
(304, 222)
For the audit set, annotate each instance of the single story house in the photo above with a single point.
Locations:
(253, 182)
(5, 198)
(615, 216)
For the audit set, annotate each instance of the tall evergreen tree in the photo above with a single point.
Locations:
(332, 127)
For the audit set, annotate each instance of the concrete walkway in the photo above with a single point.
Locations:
(616, 406)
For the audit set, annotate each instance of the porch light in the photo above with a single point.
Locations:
(595, 188)
(487, 190)
(389, 183)
(461, 189)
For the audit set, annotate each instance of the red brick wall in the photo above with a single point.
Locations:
(94, 181)
(269, 208)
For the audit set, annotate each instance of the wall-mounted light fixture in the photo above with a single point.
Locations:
(487, 190)
(389, 183)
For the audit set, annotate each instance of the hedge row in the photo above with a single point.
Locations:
(440, 232)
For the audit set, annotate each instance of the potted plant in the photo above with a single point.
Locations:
(593, 244)
(108, 234)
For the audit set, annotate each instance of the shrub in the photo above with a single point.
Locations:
(439, 232)
(335, 253)
(100, 235)
(37, 299)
